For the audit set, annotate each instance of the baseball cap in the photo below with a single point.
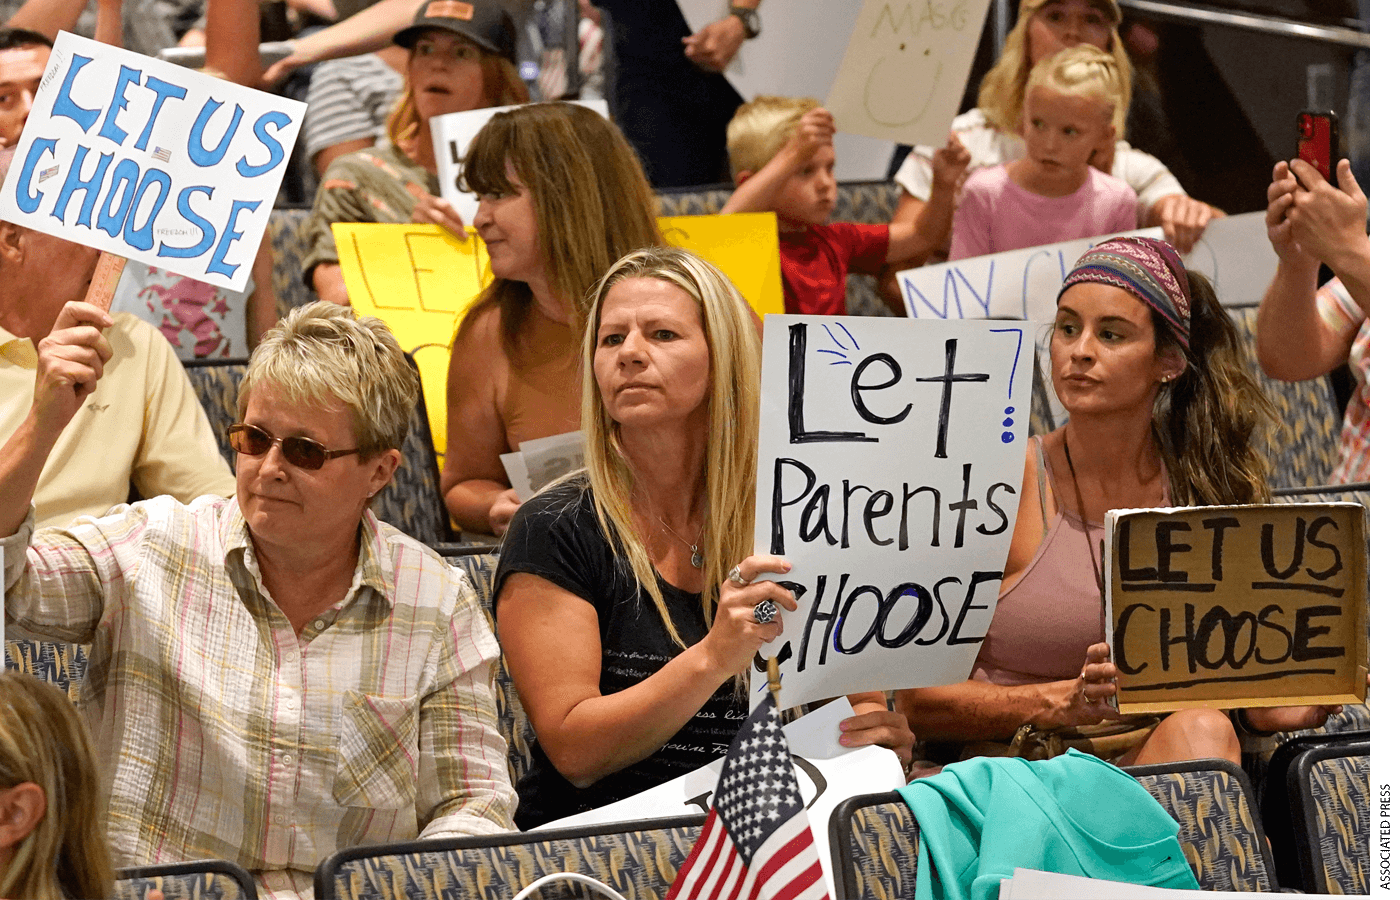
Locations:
(483, 22)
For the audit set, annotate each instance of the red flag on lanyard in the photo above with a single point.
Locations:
(756, 844)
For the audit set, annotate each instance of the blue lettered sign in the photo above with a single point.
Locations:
(150, 161)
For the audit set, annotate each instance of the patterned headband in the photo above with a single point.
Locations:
(1147, 268)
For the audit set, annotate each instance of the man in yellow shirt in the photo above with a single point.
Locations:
(143, 425)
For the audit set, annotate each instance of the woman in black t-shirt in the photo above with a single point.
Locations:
(626, 638)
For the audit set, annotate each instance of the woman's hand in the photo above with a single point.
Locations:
(1324, 220)
(432, 210)
(1281, 195)
(875, 724)
(502, 511)
(1183, 220)
(1085, 700)
(736, 635)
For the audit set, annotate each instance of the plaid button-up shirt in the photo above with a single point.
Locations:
(223, 733)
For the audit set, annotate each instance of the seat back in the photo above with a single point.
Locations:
(288, 250)
(1305, 449)
(209, 879)
(638, 859)
(61, 665)
(480, 565)
(1221, 833)
(874, 847)
(216, 384)
(1330, 789)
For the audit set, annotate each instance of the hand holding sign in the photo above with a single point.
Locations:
(737, 634)
(71, 359)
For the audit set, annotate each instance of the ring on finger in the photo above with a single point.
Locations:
(737, 577)
(765, 611)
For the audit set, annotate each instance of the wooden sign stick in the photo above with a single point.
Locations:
(104, 280)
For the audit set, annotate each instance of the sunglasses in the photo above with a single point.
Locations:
(302, 452)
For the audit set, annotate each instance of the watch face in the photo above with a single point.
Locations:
(749, 18)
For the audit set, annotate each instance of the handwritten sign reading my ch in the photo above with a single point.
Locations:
(890, 461)
(1235, 606)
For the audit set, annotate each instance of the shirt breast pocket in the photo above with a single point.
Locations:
(378, 764)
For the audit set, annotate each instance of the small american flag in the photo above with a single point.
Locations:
(161, 154)
(756, 844)
(50, 172)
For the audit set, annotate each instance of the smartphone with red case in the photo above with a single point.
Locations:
(1317, 142)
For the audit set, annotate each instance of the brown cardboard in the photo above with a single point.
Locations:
(1277, 598)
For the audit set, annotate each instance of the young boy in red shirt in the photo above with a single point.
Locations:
(783, 161)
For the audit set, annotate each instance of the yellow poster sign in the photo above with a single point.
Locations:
(419, 280)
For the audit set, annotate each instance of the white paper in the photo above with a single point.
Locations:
(797, 55)
(905, 69)
(185, 166)
(1031, 884)
(543, 460)
(812, 740)
(452, 137)
(892, 489)
(517, 473)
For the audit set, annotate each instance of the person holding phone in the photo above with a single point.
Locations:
(1306, 331)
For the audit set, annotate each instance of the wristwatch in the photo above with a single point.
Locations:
(748, 18)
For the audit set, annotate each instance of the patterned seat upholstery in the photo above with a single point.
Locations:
(411, 502)
(1221, 833)
(875, 837)
(1305, 449)
(208, 879)
(637, 859)
(480, 566)
(62, 665)
(1331, 791)
(284, 231)
(874, 848)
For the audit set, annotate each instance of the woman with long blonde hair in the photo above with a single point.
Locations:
(53, 843)
(989, 135)
(461, 57)
(626, 599)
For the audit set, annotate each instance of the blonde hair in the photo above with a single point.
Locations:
(500, 86)
(761, 127)
(730, 469)
(322, 352)
(1003, 90)
(44, 742)
(1083, 71)
(591, 199)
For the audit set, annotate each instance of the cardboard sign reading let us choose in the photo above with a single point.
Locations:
(150, 161)
(1237, 606)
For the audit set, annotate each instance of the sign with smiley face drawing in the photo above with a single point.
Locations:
(905, 68)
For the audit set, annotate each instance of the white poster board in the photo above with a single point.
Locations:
(905, 70)
(1234, 253)
(452, 137)
(827, 773)
(890, 462)
(150, 161)
(797, 55)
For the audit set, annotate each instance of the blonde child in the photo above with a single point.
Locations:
(1072, 111)
(782, 159)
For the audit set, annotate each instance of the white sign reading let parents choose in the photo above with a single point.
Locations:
(890, 461)
(150, 161)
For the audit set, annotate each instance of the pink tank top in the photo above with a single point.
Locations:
(1045, 622)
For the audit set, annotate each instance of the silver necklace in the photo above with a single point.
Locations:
(696, 558)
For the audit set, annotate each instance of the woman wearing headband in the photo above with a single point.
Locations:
(626, 599)
(1162, 412)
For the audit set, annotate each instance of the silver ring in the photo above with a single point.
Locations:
(736, 577)
(765, 611)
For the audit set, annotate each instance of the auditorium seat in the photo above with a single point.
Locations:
(209, 879)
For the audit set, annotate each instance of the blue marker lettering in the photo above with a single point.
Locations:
(144, 238)
(164, 90)
(274, 149)
(124, 176)
(206, 239)
(75, 182)
(24, 198)
(63, 104)
(198, 154)
(216, 261)
(127, 77)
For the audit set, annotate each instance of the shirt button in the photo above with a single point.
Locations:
(287, 758)
(320, 623)
(280, 820)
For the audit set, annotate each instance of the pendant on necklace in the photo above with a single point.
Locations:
(696, 559)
